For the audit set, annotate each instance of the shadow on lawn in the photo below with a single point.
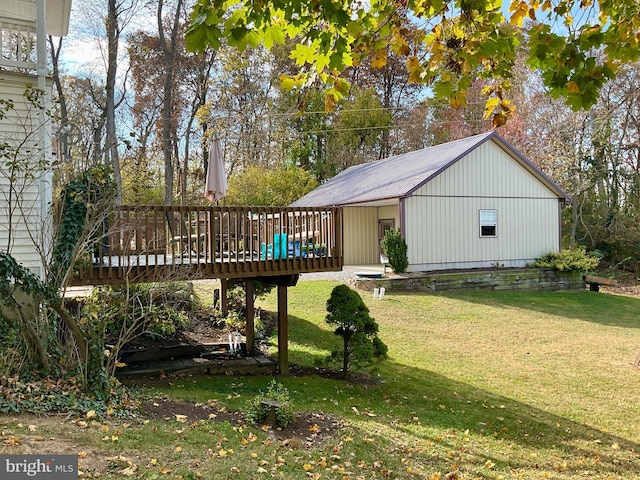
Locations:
(322, 340)
(412, 398)
(456, 407)
(601, 308)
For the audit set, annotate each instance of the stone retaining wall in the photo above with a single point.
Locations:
(506, 279)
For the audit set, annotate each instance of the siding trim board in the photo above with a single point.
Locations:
(483, 196)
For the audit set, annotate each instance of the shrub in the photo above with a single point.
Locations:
(380, 348)
(257, 411)
(567, 260)
(347, 311)
(155, 309)
(395, 247)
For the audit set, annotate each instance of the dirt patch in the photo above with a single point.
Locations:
(308, 430)
(48, 434)
(58, 434)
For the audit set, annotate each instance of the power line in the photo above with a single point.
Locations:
(391, 127)
(352, 110)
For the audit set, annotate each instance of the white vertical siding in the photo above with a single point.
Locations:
(22, 204)
(486, 171)
(442, 217)
(361, 235)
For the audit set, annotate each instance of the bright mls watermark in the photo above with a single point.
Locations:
(46, 467)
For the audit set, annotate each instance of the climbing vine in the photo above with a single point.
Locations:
(82, 213)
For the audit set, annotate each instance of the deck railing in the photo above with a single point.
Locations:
(17, 43)
(159, 243)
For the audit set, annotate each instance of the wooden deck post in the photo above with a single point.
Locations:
(250, 327)
(224, 301)
(283, 331)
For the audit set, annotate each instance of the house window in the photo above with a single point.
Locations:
(488, 223)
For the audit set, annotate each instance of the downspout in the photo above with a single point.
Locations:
(44, 186)
(401, 215)
(561, 202)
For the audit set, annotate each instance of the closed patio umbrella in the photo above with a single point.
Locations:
(216, 182)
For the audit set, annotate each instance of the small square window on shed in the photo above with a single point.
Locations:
(488, 223)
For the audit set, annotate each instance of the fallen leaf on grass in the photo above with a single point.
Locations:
(129, 471)
(12, 442)
(181, 418)
(32, 428)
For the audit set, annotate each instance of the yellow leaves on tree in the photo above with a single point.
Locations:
(475, 40)
(379, 59)
(520, 10)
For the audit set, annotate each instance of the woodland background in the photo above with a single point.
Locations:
(149, 108)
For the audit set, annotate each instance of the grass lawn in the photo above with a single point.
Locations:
(479, 385)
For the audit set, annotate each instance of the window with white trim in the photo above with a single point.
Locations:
(488, 223)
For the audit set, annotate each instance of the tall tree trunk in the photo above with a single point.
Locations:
(111, 143)
(63, 133)
(168, 50)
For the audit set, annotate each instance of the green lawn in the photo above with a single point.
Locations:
(479, 385)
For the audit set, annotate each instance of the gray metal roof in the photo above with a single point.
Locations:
(399, 176)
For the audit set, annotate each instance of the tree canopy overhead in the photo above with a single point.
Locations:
(577, 45)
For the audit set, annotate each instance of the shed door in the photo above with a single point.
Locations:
(384, 225)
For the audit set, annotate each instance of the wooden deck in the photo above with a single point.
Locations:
(160, 243)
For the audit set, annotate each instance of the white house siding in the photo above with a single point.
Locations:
(360, 235)
(442, 217)
(23, 207)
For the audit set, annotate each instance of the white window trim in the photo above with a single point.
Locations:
(488, 217)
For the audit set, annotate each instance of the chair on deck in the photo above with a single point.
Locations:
(278, 250)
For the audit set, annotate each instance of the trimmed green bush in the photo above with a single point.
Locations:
(347, 312)
(567, 260)
(395, 247)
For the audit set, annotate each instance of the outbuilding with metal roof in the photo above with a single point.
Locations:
(471, 203)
